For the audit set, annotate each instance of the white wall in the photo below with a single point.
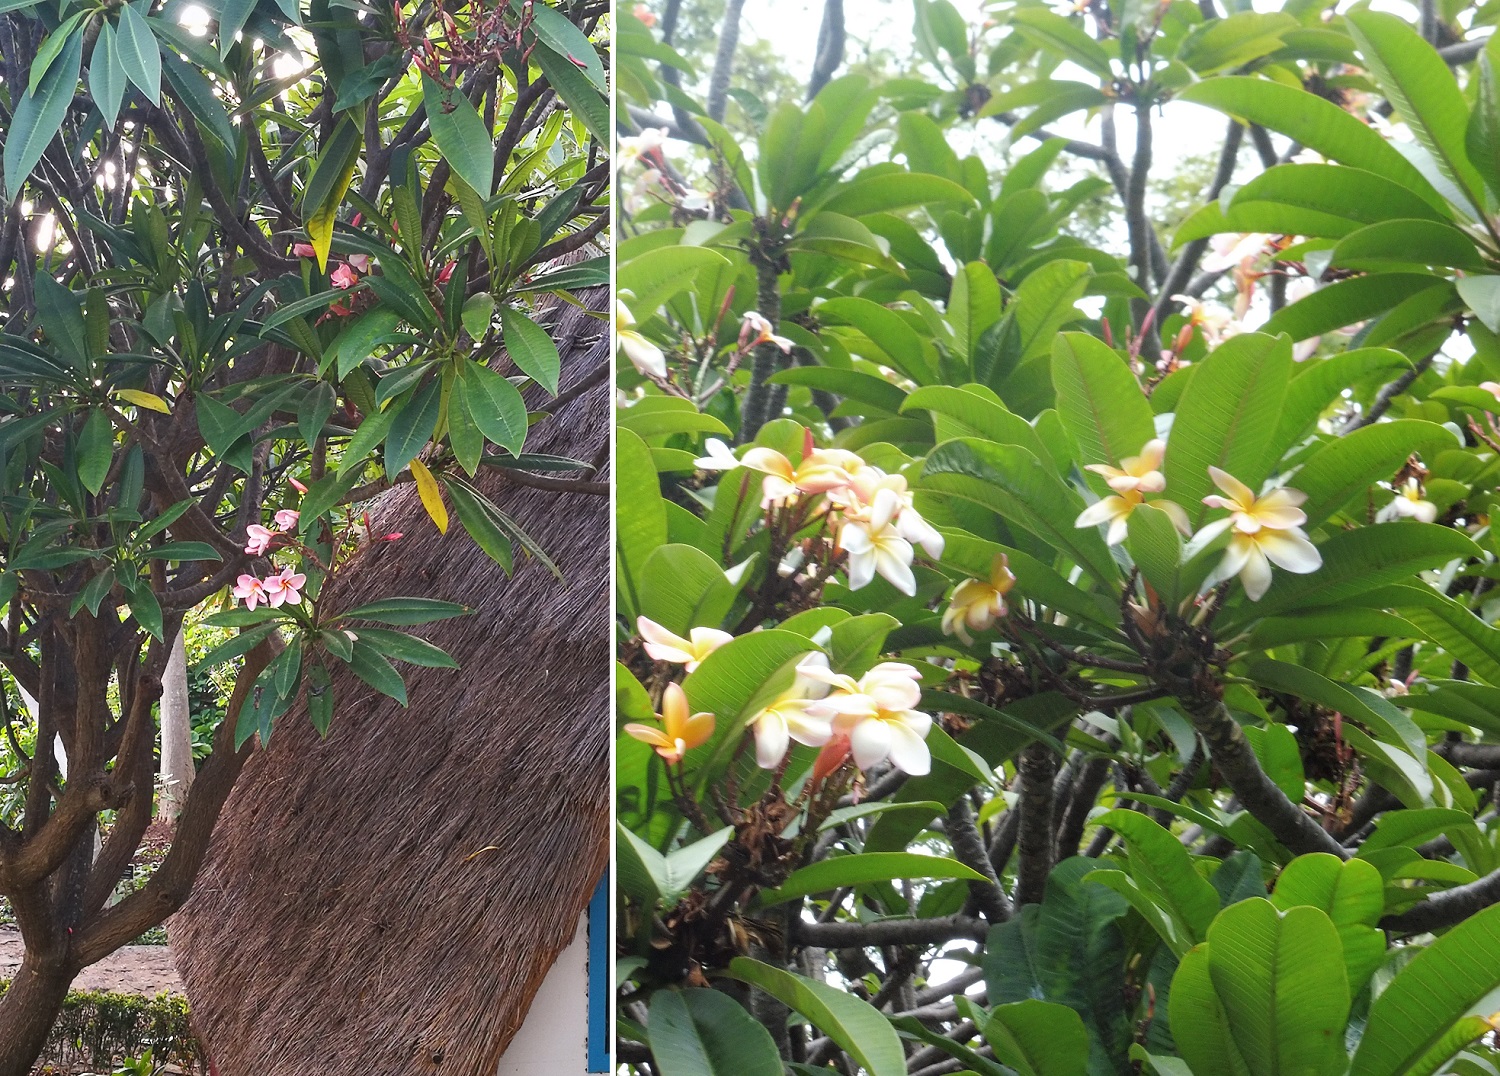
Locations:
(554, 1038)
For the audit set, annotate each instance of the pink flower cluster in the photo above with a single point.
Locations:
(261, 537)
(283, 588)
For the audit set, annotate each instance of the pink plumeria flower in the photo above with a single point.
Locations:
(284, 588)
(286, 519)
(304, 250)
(250, 590)
(298, 486)
(343, 277)
(259, 539)
(360, 262)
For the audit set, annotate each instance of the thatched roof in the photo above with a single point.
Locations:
(387, 901)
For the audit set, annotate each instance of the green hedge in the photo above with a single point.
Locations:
(98, 1029)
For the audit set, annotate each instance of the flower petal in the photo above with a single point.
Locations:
(908, 750)
(870, 741)
(1291, 550)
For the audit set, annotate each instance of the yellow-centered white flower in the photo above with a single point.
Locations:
(821, 470)
(878, 713)
(876, 547)
(664, 645)
(1131, 481)
(1410, 503)
(856, 501)
(1263, 531)
(645, 356)
(790, 717)
(977, 603)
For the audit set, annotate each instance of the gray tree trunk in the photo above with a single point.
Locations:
(176, 735)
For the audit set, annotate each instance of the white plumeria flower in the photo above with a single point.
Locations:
(791, 717)
(648, 184)
(1131, 481)
(664, 645)
(645, 356)
(878, 713)
(857, 501)
(1410, 503)
(978, 603)
(1215, 321)
(757, 330)
(876, 547)
(1264, 531)
(634, 147)
(1229, 250)
(1138, 474)
(821, 471)
(720, 457)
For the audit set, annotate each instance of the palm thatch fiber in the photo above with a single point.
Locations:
(387, 901)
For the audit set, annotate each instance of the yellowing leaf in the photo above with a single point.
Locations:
(328, 184)
(432, 497)
(150, 401)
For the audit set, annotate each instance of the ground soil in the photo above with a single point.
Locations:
(136, 969)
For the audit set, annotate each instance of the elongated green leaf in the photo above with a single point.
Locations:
(1161, 865)
(1347, 466)
(1352, 893)
(1430, 995)
(858, 1028)
(1064, 37)
(864, 868)
(460, 135)
(1226, 418)
(1199, 1025)
(888, 191)
(580, 95)
(139, 53)
(1011, 481)
(1419, 83)
(530, 348)
(1037, 1038)
(412, 426)
(407, 648)
(708, 1033)
(1099, 399)
(1394, 243)
(1373, 711)
(405, 611)
(1284, 991)
(370, 665)
(107, 75)
(495, 406)
(37, 116)
(1314, 122)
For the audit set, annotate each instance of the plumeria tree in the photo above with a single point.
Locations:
(261, 261)
(1050, 647)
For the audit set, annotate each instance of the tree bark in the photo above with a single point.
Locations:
(29, 1009)
(176, 735)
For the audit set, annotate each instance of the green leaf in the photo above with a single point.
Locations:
(580, 95)
(1482, 139)
(1347, 466)
(1316, 123)
(495, 406)
(707, 1033)
(474, 512)
(405, 611)
(1217, 44)
(1161, 866)
(1037, 1038)
(1156, 547)
(460, 135)
(1352, 893)
(1419, 83)
(1099, 400)
(1394, 243)
(370, 665)
(555, 32)
(95, 450)
(650, 280)
(412, 426)
(1200, 1027)
(139, 53)
(530, 348)
(478, 310)
(1013, 483)
(885, 192)
(107, 75)
(399, 646)
(327, 186)
(1432, 993)
(38, 116)
(1064, 37)
(1375, 712)
(862, 869)
(1482, 295)
(854, 1025)
(1226, 418)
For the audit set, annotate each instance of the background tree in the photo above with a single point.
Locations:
(257, 269)
(1096, 603)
